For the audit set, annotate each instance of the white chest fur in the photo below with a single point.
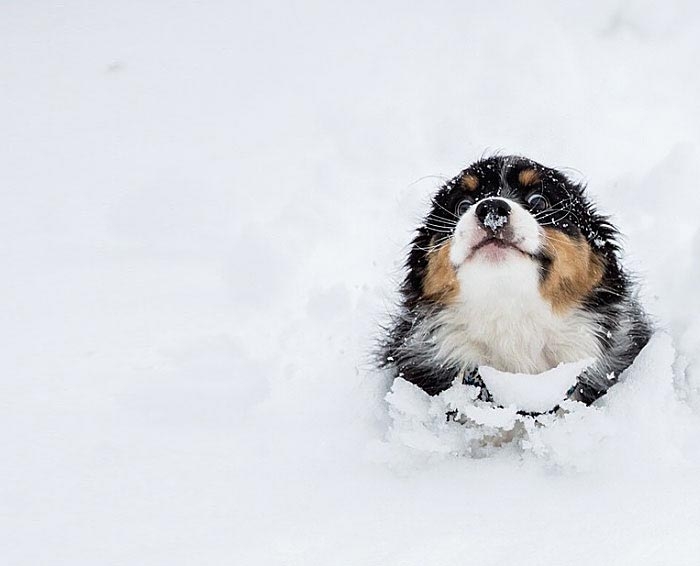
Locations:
(501, 320)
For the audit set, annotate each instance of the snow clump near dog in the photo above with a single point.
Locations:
(616, 428)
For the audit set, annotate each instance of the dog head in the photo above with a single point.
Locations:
(506, 223)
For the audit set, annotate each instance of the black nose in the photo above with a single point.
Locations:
(493, 213)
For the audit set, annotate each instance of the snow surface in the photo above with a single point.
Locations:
(205, 206)
(532, 392)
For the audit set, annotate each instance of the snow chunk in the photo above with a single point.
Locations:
(534, 393)
(639, 424)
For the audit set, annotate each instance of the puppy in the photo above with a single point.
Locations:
(514, 268)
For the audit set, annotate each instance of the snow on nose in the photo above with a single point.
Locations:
(493, 213)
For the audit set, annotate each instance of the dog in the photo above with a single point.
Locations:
(514, 268)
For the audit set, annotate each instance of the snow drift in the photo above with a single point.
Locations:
(204, 212)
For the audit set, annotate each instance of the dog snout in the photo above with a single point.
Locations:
(493, 214)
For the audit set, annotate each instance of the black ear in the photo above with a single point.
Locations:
(600, 233)
(416, 264)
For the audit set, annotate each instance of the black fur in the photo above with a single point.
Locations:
(624, 328)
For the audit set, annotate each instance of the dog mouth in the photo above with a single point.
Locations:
(499, 243)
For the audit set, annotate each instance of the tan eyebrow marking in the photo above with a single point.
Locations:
(469, 182)
(528, 177)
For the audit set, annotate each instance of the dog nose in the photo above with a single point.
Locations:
(493, 213)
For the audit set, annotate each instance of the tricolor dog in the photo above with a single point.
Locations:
(514, 268)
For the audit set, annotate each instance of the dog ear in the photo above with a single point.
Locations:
(415, 266)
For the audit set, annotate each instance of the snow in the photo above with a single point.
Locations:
(603, 438)
(494, 221)
(205, 207)
(532, 392)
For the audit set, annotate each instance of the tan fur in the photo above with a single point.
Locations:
(470, 182)
(440, 281)
(574, 272)
(528, 177)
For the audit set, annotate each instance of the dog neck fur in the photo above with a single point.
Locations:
(500, 319)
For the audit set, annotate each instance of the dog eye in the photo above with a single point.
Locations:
(463, 206)
(537, 202)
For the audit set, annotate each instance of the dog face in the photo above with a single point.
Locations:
(506, 226)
